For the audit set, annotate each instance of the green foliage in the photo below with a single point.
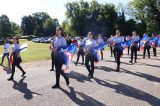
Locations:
(50, 26)
(147, 11)
(39, 24)
(5, 26)
(28, 25)
(83, 17)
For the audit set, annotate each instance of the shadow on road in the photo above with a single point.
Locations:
(157, 66)
(104, 68)
(22, 87)
(7, 69)
(78, 76)
(121, 62)
(87, 100)
(129, 91)
(143, 75)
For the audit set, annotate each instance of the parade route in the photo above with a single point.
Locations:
(136, 84)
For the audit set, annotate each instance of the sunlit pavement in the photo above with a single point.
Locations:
(136, 84)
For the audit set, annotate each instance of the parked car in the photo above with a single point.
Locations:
(47, 39)
(42, 40)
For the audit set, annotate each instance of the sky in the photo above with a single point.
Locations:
(16, 9)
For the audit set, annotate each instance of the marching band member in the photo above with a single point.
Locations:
(147, 46)
(6, 51)
(52, 54)
(100, 41)
(59, 41)
(16, 57)
(155, 45)
(118, 48)
(81, 50)
(110, 40)
(89, 45)
(134, 46)
(127, 39)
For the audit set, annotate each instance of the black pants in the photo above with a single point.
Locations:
(155, 51)
(53, 60)
(4, 55)
(90, 58)
(134, 49)
(14, 64)
(128, 49)
(78, 55)
(117, 53)
(111, 49)
(144, 52)
(58, 65)
(102, 55)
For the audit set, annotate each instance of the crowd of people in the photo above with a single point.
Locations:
(85, 50)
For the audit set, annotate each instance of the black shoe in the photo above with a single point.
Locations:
(89, 75)
(130, 61)
(76, 63)
(143, 57)
(117, 70)
(67, 81)
(135, 61)
(23, 74)
(51, 70)
(82, 63)
(149, 57)
(10, 79)
(55, 86)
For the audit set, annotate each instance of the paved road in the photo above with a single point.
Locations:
(135, 85)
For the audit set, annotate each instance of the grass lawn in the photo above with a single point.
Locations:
(35, 51)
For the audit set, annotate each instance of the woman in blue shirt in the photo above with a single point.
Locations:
(59, 42)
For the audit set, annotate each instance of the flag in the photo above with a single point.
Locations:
(143, 41)
(153, 41)
(128, 43)
(22, 48)
(67, 52)
(97, 50)
(158, 41)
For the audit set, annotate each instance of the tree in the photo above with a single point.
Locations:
(5, 26)
(15, 29)
(83, 17)
(146, 11)
(28, 25)
(40, 19)
(50, 26)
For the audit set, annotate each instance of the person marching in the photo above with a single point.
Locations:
(52, 54)
(134, 46)
(68, 39)
(155, 45)
(127, 39)
(81, 50)
(16, 58)
(6, 51)
(147, 46)
(118, 48)
(89, 45)
(110, 40)
(59, 42)
(100, 41)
